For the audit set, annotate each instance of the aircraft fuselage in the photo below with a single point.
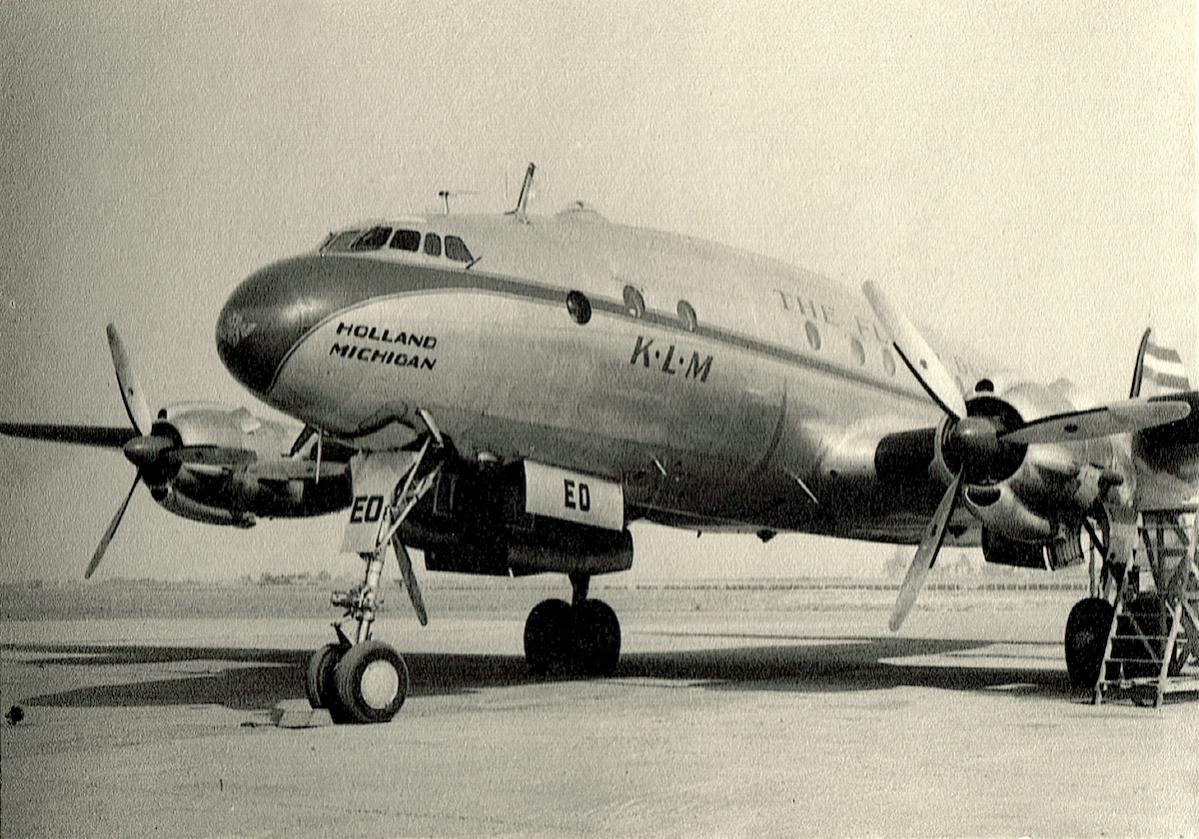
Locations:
(711, 383)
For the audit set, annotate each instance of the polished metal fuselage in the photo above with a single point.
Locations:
(733, 419)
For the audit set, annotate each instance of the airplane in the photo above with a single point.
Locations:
(209, 463)
(511, 391)
(517, 389)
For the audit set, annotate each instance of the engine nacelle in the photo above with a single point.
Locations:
(475, 522)
(1001, 510)
(189, 508)
(1032, 500)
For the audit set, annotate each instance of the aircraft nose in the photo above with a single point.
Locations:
(260, 322)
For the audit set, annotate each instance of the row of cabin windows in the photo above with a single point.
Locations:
(634, 302)
(401, 239)
(812, 332)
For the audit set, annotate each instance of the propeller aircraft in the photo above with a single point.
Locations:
(507, 393)
(517, 389)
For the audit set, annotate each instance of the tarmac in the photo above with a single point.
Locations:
(718, 723)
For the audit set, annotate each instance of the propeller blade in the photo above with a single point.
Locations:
(1118, 418)
(410, 583)
(102, 437)
(936, 380)
(112, 529)
(926, 554)
(131, 390)
(225, 456)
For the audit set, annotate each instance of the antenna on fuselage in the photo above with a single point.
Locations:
(444, 195)
(522, 202)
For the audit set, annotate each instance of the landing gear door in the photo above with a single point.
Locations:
(573, 496)
(375, 476)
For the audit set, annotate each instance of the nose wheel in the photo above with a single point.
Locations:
(364, 680)
(577, 638)
(371, 681)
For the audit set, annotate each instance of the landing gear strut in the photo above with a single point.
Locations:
(581, 637)
(363, 681)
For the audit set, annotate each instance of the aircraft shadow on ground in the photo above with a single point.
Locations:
(257, 679)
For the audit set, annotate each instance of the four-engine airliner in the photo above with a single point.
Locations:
(507, 393)
(518, 389)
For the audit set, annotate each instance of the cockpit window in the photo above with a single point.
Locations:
(340, 241)
(372, 239)
(432, 244)
(406, 240)
(456, 249)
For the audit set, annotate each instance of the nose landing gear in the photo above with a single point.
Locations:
(580, 638)
(364, 681)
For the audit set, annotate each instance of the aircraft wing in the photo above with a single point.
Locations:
(101, 436)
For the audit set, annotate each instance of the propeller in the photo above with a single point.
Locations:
(156, 453)
(978, 448)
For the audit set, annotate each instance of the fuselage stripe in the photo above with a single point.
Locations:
(463, 281)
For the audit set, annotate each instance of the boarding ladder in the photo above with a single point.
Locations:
(1153, 636)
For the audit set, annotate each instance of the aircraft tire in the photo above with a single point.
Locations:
(596, 638)
(372, 682)
(548, 638)
(318, 677)
(1087, 629)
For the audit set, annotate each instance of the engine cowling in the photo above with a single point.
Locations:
(1032, 499)
(218, 494)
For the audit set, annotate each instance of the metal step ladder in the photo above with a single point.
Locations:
(1153, 636)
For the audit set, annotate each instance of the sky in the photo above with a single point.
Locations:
(1020, 176)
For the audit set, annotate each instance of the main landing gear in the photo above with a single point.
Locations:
(581, 637)
(364, 681)
(1087, 628)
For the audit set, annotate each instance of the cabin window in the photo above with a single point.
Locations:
(372, 239)
(456, 249)
(579, 307)
(888, 362)
(687, 315)
(406, 240)
(341, 241)
(634, 303)
(432, 244)
(859, 352)
(813, 334)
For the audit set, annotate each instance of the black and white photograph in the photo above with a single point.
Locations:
(615, 419)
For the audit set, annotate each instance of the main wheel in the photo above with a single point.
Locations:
(372, 682)
(1087, 629)
(548, 632)
(596, 638)
(318, 678)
